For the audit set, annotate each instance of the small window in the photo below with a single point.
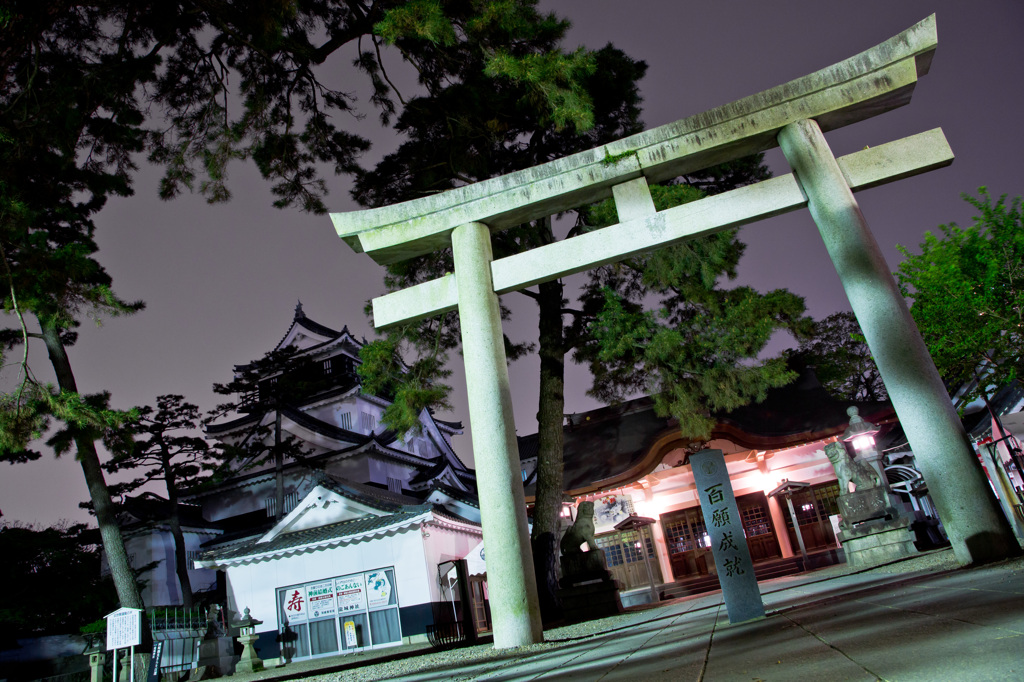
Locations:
(524, 474)
(327, 367)
(367, 422)
(394, 484)
(345, 420)
(291, 500)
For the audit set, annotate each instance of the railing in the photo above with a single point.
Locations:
(181, 630)
(171, 618)
(445, 635)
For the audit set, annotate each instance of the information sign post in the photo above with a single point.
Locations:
(124, 631)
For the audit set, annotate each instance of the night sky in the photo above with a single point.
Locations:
(221, 282)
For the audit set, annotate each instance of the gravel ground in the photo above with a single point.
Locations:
(444, 661)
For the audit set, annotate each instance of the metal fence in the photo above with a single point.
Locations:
(181, 630)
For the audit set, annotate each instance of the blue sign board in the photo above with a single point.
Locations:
(728, 544)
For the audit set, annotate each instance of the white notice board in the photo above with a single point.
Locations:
(124, 628)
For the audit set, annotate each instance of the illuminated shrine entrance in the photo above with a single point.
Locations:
(688, 541)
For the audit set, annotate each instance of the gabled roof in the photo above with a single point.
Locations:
(463, 496)
(310, 336)
(444, 471)
(335, 512)
(321, 537)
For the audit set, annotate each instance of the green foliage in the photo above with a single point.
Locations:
(422, 19)
(69, 124)
(469, 127)
(967, 287)
(25, 416)
(662, 325)
(841, 359)
(411, 389)
(41, 565)
(555, 79)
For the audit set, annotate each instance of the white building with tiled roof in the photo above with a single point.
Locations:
(368, 516)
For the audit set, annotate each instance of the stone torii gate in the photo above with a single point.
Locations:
(792, 116)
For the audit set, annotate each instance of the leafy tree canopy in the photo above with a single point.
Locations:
(40, 564)
(663, 325)
(841, 359)
(967, 286)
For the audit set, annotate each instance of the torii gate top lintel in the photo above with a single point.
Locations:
(872, 82)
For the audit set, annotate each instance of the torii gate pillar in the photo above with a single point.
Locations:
(511, 582)
(979, 533)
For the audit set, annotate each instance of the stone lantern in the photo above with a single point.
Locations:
(861, 435)
(97, 658)
(249, 662)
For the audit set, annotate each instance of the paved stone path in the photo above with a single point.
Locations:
(951, 625)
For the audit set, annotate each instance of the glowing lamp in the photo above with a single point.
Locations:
(860, 433)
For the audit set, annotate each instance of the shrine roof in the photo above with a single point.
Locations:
(620, 444)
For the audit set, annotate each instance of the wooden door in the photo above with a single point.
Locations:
(477, 595)
(688, 543)
(757, 526)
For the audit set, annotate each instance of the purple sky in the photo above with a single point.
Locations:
(221, 281)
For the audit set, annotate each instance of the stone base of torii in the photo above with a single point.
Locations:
(792, 116)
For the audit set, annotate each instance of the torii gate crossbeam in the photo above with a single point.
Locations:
(793, 116)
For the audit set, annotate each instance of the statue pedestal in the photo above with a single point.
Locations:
(878, 542)
(249, 662)
(585, 601)
(216, 658)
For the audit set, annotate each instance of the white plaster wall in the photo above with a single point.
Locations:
(161, 586)
(353, 468)
(255, 585)
(379, 471)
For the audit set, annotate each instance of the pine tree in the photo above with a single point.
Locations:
(69, 124)
(663, 325)
(264, 389)
(163, 442)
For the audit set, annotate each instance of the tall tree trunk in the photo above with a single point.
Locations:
(550, 417)
(278, 468)
(113, 544)
(180, 553)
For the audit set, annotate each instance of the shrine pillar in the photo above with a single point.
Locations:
(976, 527)
(511, 582)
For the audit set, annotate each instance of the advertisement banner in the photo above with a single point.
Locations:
(351, 591)
(321, 599)
(378, 588)
(293, 604)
